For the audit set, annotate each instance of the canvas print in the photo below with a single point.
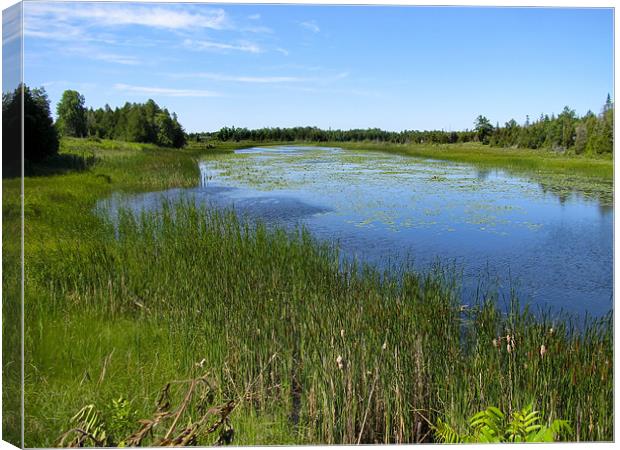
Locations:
(298, 224)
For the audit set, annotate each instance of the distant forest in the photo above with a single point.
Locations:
(136, 122)
(147, 122)
(591, 134)
(133, 122)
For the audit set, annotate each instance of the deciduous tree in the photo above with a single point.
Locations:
(71, 114)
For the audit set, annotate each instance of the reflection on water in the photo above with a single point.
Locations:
(555, 250)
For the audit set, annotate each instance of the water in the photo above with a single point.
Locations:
(554, 250)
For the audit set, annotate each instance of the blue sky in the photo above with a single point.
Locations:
(329, 66)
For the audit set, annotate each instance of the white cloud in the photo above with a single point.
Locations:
(166, 92)
(284, 51)
(254, 17)
(242, 46)
(114, 14)
(310, 25)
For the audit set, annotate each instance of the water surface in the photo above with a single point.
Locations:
(554, 250)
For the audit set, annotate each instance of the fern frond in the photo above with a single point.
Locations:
(445, 434)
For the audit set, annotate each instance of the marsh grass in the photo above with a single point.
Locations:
(119, 308)
(362, 356)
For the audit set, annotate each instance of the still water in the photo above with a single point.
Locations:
(554, 250)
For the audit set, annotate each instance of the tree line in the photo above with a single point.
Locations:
(591, 134)
(136, 122)
(133, 122)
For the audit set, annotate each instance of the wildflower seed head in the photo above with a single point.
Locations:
(340, 362)
(342, 334)
(384, 346)
(508, 348)
(201, 364)
(494, 342)
(543, 350)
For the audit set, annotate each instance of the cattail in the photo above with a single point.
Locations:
(340, 362)
(543, 350)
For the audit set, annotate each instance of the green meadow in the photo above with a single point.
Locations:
(310, 351)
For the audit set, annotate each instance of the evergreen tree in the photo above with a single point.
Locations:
(178, 133)
(483, 128)
(40, 135)
(581, 138)
(137, 129)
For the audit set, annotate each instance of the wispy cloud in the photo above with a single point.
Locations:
(310, 25)
(166, 92)
(254, 17)
(284, 51)
(90, 51)
(11, 25)
(117, 59)
(353, 92)
(258, 29)
(245, 79)
(276, 79)
(241, 46)
(114, 15)
(80, 85)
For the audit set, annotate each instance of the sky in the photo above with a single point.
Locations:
(11, 47)
(333, 67)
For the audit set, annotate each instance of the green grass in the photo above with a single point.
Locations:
(119, 309)
(11, 314)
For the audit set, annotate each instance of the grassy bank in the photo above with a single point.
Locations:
(324, 355)
(59, 199)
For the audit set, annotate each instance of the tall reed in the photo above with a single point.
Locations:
(362, 356)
